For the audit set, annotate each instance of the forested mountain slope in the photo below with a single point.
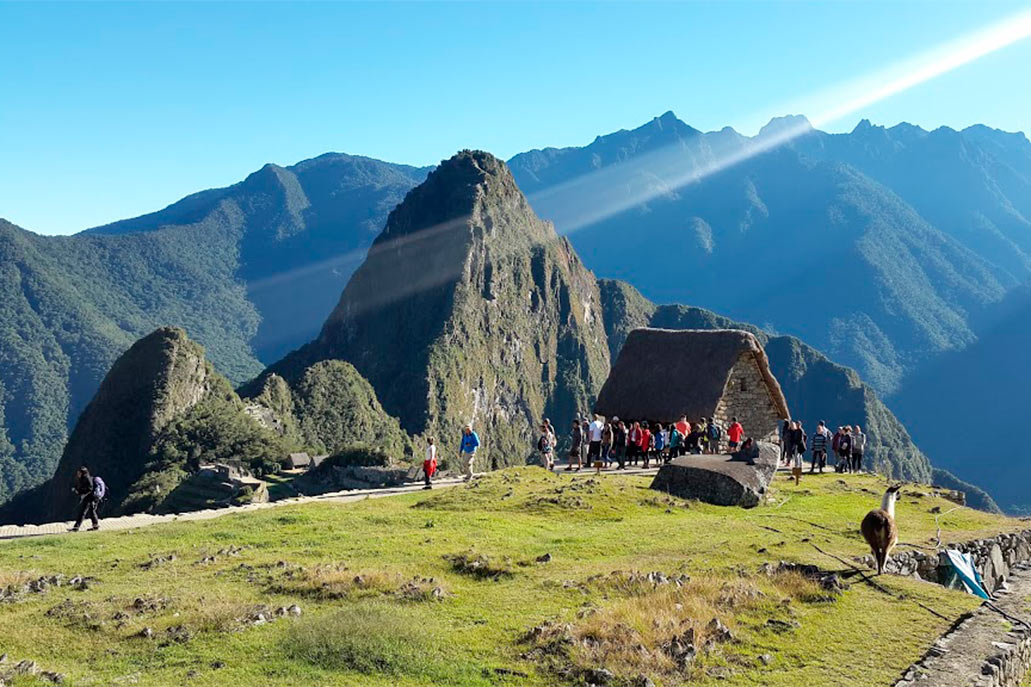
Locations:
(249, 271)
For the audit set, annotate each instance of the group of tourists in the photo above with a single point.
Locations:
(847, 445)
(606, 443)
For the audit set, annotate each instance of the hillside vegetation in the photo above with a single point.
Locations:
(250, 271)
(520, 578)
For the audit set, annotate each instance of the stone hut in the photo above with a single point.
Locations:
(296, 461)
(662, 374)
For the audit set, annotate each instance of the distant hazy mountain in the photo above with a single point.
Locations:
(968, 408)
(250, 271)
(872, 246)
(302, 230)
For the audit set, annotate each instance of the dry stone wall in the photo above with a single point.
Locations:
(747, 398)
(985, 648)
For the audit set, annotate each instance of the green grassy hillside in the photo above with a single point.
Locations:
(520, 578)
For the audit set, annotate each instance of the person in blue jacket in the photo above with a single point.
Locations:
(467, 451)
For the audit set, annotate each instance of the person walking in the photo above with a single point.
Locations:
(546, 447)
(606, 444)
(467, 450)
(734, 434)
(429, 465)
(820, 441)
(858, 448)
(91, 491)
(576, 437)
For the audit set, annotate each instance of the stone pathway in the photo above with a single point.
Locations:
(346, 496)
(984, 649)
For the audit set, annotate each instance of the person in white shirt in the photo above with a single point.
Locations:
(429, 466)
(594, 432)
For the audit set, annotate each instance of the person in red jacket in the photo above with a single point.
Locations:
(646, 443)
(734, 433)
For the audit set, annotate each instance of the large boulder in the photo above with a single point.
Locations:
(724, 480)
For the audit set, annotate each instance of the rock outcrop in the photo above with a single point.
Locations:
(470, 309)
(160, 411)
(722, 480)
(160, 377)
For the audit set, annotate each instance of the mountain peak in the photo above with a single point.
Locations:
(455, 196)
(788, 126)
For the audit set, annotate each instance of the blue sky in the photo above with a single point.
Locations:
(111, 110)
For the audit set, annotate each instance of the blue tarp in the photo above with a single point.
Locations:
(963, 564)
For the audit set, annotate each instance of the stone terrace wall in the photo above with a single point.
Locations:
(747, 397)
(984, 649)
(994, 559)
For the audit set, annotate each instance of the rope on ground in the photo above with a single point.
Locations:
(938, 527)
(866, 578)
(1007, 616)
(792, 517)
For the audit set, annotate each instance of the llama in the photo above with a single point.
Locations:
(879, 528)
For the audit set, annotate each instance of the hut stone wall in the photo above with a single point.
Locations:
(747, 397)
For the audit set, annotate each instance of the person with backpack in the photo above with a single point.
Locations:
(715, 436)
(546, 447)
(91, 491)
(576, 437)
(429, 465)
(820, 441)
(858, 448)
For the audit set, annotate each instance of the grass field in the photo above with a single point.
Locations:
(445, 588)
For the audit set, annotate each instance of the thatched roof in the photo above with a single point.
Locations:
(298, 460)
(662, 374)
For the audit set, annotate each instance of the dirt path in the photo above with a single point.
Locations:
(347, 496)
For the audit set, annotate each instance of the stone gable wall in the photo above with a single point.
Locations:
(747, 397)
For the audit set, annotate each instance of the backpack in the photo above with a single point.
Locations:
(715, 431)
(99, 489)
(660, 441)
(540, 442)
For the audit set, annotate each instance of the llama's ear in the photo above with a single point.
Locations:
(895, 487)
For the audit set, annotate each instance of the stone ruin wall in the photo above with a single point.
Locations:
(747, 398)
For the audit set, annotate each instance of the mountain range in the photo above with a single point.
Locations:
(819, 237)
(467, 309)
